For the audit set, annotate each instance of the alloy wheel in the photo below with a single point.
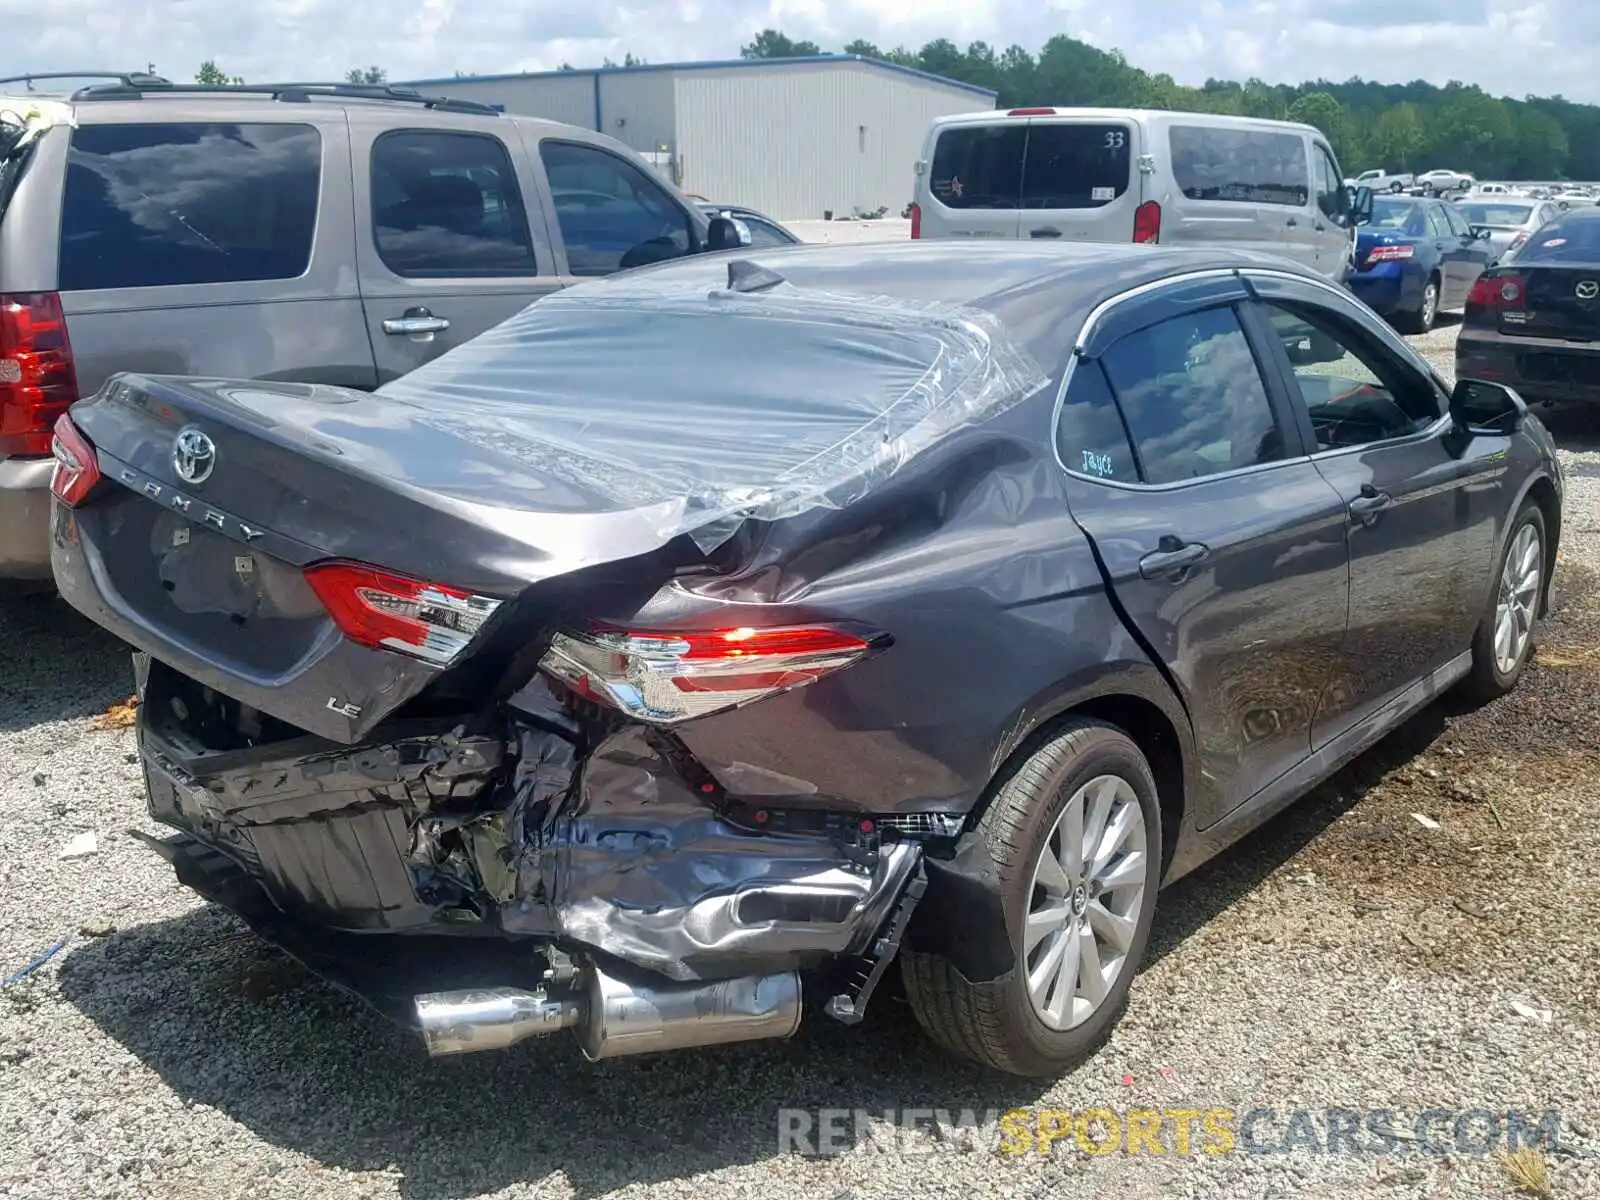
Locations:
(1518, 599)
(1085, 901)
(1430, 303)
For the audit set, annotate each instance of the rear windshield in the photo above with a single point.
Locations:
(174, 204)
(1249, 166)
(1503, 216)
(1404, 216)
(1571, 239)
(1036, 165)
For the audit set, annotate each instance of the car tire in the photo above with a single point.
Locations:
(1098, 769)
(1427, 313)
(1516, 594)
(1397, 187)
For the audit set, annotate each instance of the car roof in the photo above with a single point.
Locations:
(1041, 293)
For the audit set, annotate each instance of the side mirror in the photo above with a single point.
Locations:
(1481, 232)
(1485, 409)
(1360, 205)
(723, 234)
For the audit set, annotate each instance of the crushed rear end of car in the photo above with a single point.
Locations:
(488, 696)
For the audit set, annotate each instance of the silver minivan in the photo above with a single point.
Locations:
(1133, 175)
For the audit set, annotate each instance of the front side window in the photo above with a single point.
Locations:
(177, 204)
(447, 205)
(765, 233)
(1331, 198)
(1354, 391)
(1244, 165)
(1193, 398)
(612, 216)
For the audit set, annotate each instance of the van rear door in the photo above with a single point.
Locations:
(975, 180)
(1080, 180)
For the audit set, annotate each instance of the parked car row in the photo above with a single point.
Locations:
(659, 653)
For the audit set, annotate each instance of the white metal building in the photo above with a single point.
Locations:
(792, 137)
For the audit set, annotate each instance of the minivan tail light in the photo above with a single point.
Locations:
(37, 378)
(77, 467)
(376, 608)
(667, 677)
(1147, 223)
(916, 221)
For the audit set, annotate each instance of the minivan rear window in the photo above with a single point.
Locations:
(1034, 165)
(1250, 166)
(175, 204)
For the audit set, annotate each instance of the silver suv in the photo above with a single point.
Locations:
(313, 232)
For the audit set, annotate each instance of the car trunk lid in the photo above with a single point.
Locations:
(1559, 301)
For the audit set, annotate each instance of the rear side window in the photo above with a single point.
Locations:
(1090, 435)
(979, 166)
(1246, 165)
(448, 205)
(175, 204)
(1570, 239)
(1075, 166)
(1193, 397)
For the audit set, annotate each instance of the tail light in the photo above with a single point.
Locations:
(1383, 254)
(916, 221)
(371, 607)
(1147, 223)
(1495, 292)
(665, 678)
(1031, 112)
(1518, 242)
(37, 379)
(77, 467)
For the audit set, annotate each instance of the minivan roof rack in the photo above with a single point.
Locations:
(130, 79)
(136, 87)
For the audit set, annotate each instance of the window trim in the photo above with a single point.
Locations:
(696, 240)
(1286, 420)
(452, 273)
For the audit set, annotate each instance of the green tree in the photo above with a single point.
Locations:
(213, 75)
(368, 75)
(769, 43)
(864, 48)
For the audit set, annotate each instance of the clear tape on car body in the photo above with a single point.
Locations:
(604, 387)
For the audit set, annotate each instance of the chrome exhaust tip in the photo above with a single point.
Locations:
(613, 1017)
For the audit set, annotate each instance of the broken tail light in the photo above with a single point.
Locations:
(77, 467)
(376, 608)
(668, 677)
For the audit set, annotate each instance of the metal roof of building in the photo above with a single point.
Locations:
(716, 64)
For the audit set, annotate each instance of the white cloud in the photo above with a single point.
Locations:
(1510, 47)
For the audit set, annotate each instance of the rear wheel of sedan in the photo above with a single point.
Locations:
(1076, 835)
(1504, 639)
(1427, 312)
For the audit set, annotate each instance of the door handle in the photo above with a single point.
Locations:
(1320, 227)
(1292, 223)
(1172, 558)
(1366, 507)
(1044, 233)
(416, 323)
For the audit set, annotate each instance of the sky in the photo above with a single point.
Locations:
(1508, 47)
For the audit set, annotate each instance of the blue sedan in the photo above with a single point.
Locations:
(1415, 258)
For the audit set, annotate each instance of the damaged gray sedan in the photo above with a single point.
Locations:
(711, 637)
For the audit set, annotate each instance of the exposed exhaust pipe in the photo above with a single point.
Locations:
(612, 1017)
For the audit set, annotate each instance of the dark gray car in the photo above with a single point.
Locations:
(319, 233)
(736, 622)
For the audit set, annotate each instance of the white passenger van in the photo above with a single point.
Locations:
(1132, 175)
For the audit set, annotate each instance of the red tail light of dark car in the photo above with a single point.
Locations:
(77, 467)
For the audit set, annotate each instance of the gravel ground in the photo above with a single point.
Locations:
(1346, 955)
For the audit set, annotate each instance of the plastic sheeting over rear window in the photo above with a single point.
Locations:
(701, 407)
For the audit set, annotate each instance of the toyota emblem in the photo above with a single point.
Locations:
(1587, 290)
(194, 456)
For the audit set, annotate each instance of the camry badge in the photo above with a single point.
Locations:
(194, 456)
(1587, 290)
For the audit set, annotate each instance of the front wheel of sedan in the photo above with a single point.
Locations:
(1504, 639)
(1076, 835)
